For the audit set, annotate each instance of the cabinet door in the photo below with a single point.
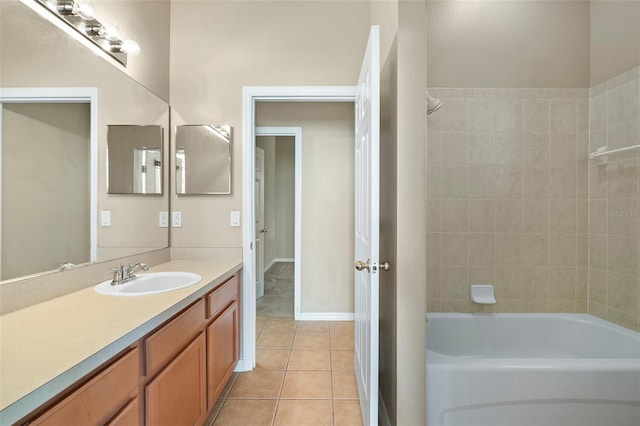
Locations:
(222, 351)
(177, 396)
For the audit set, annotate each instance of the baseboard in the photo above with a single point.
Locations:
(277, 260)
(326, 316)
(242, 366)
(269, 265)
(383, 416)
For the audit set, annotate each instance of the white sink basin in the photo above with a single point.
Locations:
(152, 283)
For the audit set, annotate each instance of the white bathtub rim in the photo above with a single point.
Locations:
(582, 317)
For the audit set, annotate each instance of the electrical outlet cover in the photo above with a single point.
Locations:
(176, 219)
(163, 220)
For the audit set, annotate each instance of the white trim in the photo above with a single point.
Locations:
(326, 316)
(269, 265)
(69, 95)
(251, 94)
(296, 132)
(383, 415)
(279, 260)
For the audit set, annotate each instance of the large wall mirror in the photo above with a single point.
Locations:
(46, 159)
(203, 159)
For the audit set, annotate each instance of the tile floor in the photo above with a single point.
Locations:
(278, 291)
(304, 376)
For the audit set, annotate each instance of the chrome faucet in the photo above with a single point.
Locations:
(122, 273)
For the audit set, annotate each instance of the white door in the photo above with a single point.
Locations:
(367, 200)
(260, 229)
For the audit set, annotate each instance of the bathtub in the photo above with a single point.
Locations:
(531, 369)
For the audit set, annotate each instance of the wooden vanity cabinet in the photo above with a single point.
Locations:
(223, 340)
(222, 354)
(101, 399)
(171, 377)
(128, 416)
(178, 395)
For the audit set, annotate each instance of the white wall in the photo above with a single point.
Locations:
(327, 198)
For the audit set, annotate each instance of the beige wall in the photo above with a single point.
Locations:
(146, 22)
(614, 202)
(508, 43)
(327, 198)
(615, 38)
(279, 196)
(30, 170)
(507, 193)
(285, 196)
(253, 43)
(121, 100)
(402, 214)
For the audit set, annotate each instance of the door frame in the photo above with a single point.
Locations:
(296, 133)
(80, 95)
(251, 95)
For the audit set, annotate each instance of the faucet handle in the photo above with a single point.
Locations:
(116, 269)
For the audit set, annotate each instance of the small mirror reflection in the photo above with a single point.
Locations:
(135, 159)
(203, 159)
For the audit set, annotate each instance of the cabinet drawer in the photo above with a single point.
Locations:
(165, 343)
(101, 398)
(129, 416)
(222, 296)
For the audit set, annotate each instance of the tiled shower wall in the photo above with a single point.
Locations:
(507, 199)
(614, 219)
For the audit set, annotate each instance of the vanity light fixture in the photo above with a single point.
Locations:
(83, 9)
(80, 15)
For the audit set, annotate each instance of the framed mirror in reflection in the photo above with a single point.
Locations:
(134, 159)
(203, 159)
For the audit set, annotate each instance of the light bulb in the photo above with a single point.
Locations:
(130, 47)
(110, 31)
(84, 9)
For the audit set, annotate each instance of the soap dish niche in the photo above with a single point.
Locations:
(483, 294)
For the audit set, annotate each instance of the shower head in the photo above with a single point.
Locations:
(433, 104)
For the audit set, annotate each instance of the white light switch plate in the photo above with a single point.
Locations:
(105, 218)
(235, 219)
(176, 219)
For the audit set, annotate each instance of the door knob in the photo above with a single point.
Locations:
(361, 266)
(263, 231)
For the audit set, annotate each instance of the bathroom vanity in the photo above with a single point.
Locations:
(87, 358)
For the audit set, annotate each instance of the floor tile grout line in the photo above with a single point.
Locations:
(290, 349)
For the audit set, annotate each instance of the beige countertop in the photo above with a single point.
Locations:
(46, 347)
